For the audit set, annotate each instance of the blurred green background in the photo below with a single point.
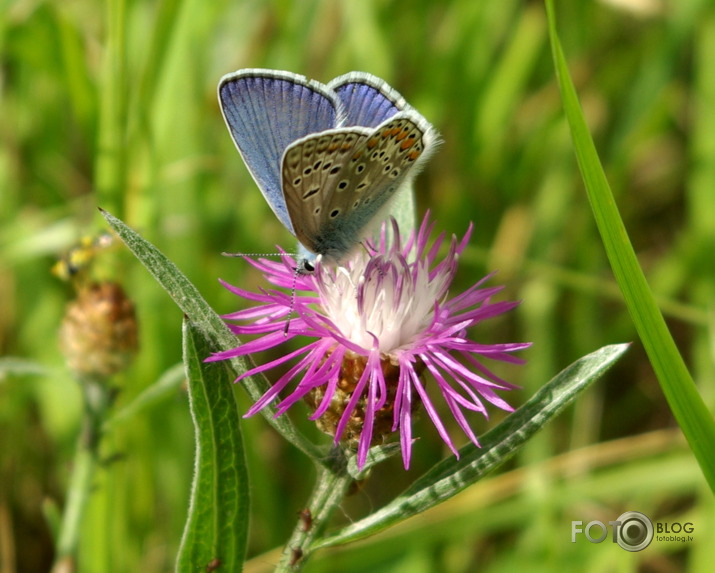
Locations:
(113, 104)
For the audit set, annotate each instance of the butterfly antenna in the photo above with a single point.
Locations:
(295, 278)
(292, 301)
(225, 254)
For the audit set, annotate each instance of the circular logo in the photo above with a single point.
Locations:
(635, 532)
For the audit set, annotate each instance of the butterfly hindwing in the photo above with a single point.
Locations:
(330, 207)
(316, 177)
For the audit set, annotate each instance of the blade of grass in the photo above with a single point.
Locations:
(683, 398)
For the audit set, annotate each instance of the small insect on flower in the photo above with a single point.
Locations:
(75, 264)
(379, 325)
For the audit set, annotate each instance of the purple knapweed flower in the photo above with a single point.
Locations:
(379, 323)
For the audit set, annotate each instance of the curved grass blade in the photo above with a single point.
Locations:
(451, 476)
(683, 398)
(216, 529)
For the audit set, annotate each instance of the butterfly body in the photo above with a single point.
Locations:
(327, 158)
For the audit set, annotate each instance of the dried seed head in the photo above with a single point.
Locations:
(98, 335)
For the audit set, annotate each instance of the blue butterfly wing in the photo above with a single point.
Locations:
(367, 100)
(265, 111)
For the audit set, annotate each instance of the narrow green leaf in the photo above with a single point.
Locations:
(216, 529)
(202, 317)
(180, 289)
(683, 398)
(451, 476)
(403, 209)
(376, 455)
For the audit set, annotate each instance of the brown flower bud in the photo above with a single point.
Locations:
(98, 335)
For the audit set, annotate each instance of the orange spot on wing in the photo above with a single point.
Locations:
(409, 142)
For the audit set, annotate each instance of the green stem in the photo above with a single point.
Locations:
(330, 489)
(96, 402)
(78, 494)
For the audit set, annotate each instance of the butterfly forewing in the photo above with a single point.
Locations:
(330, 206)
(367, 100)
(265, 112)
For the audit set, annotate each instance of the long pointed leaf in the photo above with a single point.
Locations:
(217, 526)
(189, 300)
(451, 476)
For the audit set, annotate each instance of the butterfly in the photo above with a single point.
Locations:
(327, 158)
